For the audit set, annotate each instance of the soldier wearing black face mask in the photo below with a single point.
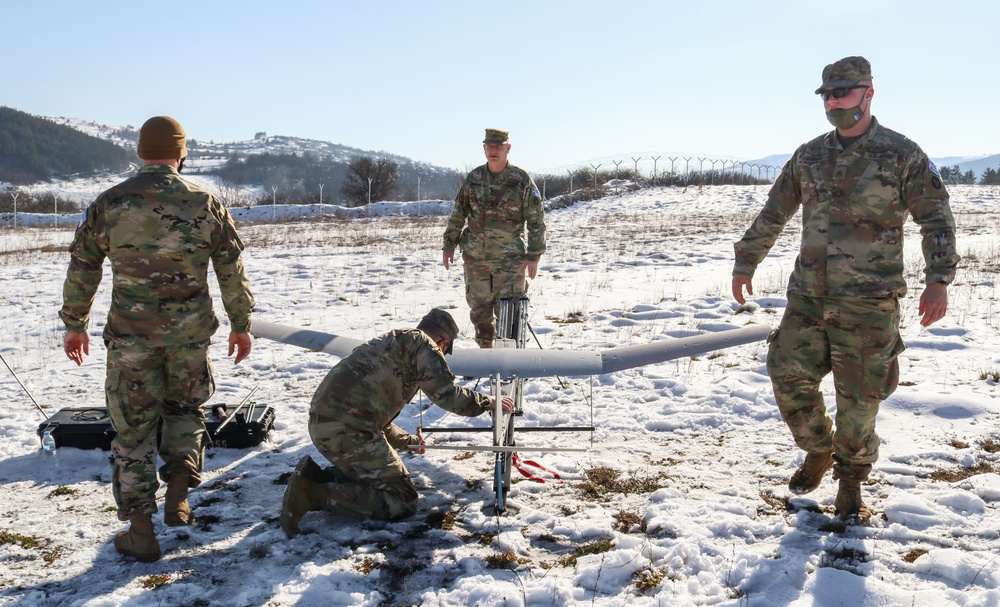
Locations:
(856, 186)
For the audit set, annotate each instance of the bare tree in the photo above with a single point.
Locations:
(369, 179)
(232, 194)
(458, 179)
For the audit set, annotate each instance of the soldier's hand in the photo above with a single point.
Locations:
(448, 257)
(420, 438)
(506, 402)
(933, 303)
(76, 346)
(242, 343)
(532, 267)
(740, 281)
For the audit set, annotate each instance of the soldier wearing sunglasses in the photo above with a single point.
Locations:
(856, 185)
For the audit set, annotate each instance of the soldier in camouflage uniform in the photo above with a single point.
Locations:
(350, 423)
(495, 206)
(160, 233)
(855, 185)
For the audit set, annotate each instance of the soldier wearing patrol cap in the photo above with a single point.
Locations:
(499, 224)
(351, 423)
(160, 232)
(856, 185)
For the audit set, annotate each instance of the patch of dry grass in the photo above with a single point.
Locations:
(960, 474)
(602, 481)
(598, 547)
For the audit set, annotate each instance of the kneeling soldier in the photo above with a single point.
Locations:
(350, 423)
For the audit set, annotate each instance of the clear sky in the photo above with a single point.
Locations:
(571, 80)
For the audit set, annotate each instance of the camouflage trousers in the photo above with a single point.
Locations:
(486, 282)
(373, 482)
(144, 385)
(858, 340)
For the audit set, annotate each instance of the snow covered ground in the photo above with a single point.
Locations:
(680, 499)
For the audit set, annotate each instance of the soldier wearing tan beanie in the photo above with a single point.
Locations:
(162, 138)
(161, 233)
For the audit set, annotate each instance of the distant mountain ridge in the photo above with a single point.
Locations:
(976, 164)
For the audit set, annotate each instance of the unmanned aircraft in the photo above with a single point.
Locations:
(508, 364)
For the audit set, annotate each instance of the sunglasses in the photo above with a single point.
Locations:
(840, 92)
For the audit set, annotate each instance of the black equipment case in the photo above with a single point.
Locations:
(90, 428)
(250, 427)
(80, 428)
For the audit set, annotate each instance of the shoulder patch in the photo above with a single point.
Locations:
(935, 175)
(83, 217)
(536, 193)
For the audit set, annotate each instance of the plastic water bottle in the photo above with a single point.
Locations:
(48, 443)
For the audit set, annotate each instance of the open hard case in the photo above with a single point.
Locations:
(90, 427)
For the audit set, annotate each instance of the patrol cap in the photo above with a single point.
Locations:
(442, 322)
(161, 138)
(845, 72)
(496, 136)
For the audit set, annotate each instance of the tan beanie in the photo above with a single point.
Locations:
(162, 138)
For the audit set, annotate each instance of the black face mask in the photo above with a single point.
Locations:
(180, 166)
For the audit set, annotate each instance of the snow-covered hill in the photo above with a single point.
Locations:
(207, 154)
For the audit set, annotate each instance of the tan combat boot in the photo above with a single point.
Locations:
(850, 507)
(301, 496)
(310, 469)
(176, 511)
(810, 473)
(139, 540)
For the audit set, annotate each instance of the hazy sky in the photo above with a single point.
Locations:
(571, 80)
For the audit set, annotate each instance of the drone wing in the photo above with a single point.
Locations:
(338, 345)
(511, 362)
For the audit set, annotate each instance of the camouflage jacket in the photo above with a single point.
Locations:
(380, 377)
(492, 213)
(854, 203)
(160, 233)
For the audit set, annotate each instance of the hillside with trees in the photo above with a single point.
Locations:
(34, 149)
(286, 175)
